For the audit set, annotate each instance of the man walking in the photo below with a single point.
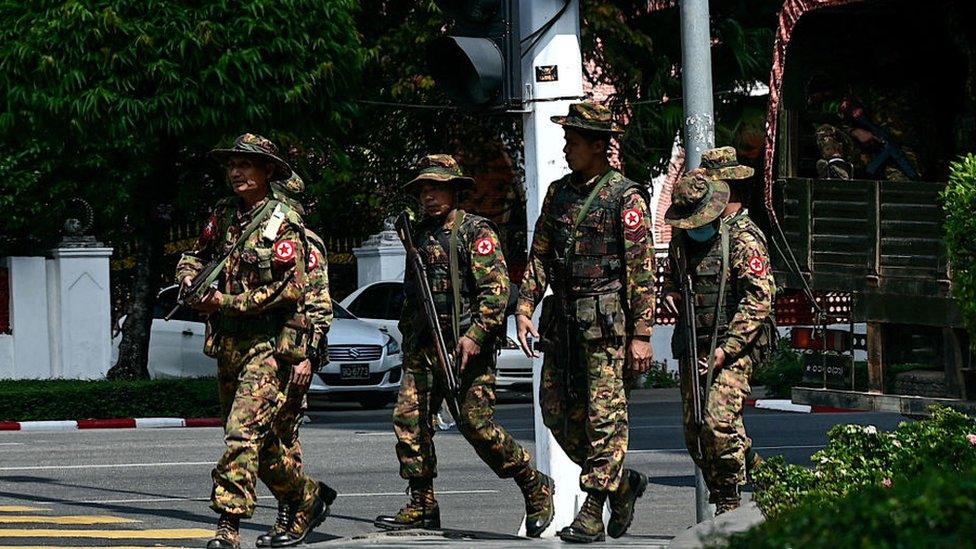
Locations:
(593, 246)
(722, 253)
(470, 286)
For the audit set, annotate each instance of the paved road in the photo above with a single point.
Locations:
(150, 487)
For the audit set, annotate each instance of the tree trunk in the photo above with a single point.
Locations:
(133, 360)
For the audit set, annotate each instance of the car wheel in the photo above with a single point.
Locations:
(375, 402)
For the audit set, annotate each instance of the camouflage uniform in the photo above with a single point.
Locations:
(890, 110)
(606, 289)
(483, 291)
(258, 332)
(745, 330)
(484, 295)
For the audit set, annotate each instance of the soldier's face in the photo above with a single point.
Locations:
(583, 155)
(248, 175)
(437, 198)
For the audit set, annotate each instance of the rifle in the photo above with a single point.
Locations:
(890, 150)
(203, 283)
(445, 359)
(691, 351)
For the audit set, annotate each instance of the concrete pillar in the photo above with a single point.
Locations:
(79, 312)
(29, 346)
(381, 257)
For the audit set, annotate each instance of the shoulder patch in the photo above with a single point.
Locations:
(632, 218)
(284, 251)
(757, 265)
(484, 246)
(313, 260)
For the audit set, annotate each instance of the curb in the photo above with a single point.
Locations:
(120, 423)
(785, 405)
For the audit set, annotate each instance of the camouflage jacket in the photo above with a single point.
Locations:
(318, 301)
(264, 280)
(622, 236)
(750, 289)
(483, 277)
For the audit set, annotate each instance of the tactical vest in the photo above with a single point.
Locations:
(433, 243)
(596, 264)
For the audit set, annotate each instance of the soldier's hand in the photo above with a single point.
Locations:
(671, 302)
(210, 302)
(639, 355)
(466, 349)
(301, 374)
(187, 281)
(524, 326)
(717, 363)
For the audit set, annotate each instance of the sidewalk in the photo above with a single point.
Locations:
(486, 540)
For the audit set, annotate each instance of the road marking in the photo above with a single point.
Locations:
(349, 495)
(106, 466)
(20, 509)
(11, 443)
(87, 547)
(161, 533)
(667, 450)
(65, 519)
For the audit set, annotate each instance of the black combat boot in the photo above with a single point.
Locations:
(537, 489)
(753, 462)
(306, 517)
(286, 514)
(421, 512)
(228, 534)
(622, 502)
(725, 500)
(587, 527)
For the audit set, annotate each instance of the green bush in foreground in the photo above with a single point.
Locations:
(858, 458)
(959, 200)
(933, 510)
(71, 399)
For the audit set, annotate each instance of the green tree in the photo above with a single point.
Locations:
(117, 102)
(959, 200)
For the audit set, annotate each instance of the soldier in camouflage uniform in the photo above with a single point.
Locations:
(593, 246)
(848, 147)
(474, 327)
(258, 331)
(318, 311)
(738, 325)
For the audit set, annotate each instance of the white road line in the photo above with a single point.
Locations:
(349, 495)
(668, 450)
(106, 466)
(11, 443)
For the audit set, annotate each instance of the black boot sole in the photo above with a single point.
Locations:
(639, 491)
(572, 536)
(536, 532)
(423, 524)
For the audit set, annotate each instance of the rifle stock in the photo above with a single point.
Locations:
(445, 360)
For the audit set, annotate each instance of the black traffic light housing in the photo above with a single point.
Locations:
(478, 63)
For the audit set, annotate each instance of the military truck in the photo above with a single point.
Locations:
(866, 249)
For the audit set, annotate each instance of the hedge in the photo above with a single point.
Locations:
(959, 200)
(71, 399)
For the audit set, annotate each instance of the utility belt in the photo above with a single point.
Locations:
(291, 335)
(246, 325)
(583, 317)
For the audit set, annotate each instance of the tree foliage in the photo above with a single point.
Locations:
(959, 200)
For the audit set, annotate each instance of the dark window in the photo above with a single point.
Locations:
(372, 303)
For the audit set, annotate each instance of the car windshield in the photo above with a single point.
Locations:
(338, 311)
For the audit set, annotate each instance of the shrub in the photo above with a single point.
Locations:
(659, 377)
(959, 200)
(72, 399)
(857, 457)
(782, 372)
(931, 510)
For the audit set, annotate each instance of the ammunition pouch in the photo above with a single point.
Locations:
(291, 345)
(600, 316)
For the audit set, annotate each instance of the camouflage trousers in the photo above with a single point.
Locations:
(837, 142)
(261, 414)
(420, 398)
(585, 406)
(723, 436)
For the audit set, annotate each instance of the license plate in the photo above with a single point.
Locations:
(354, 371)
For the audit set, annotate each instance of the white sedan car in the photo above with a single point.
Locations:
(364, 361)
(380, 304)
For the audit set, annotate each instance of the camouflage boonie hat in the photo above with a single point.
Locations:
(588, 116)
(293, 187)
(721, 163)
(696, 201)
(442, 168)
(255, 145)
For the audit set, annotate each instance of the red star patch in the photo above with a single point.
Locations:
(284, 251)
(757, 265)
(209, 231)
(484, 246)
(313, 260)
(632, 218)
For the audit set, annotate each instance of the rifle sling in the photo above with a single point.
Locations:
(450, 246)
(248, 230)
(723, 231)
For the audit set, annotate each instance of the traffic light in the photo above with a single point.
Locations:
(478, 63)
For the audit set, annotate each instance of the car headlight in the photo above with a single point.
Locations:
(392, 347)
